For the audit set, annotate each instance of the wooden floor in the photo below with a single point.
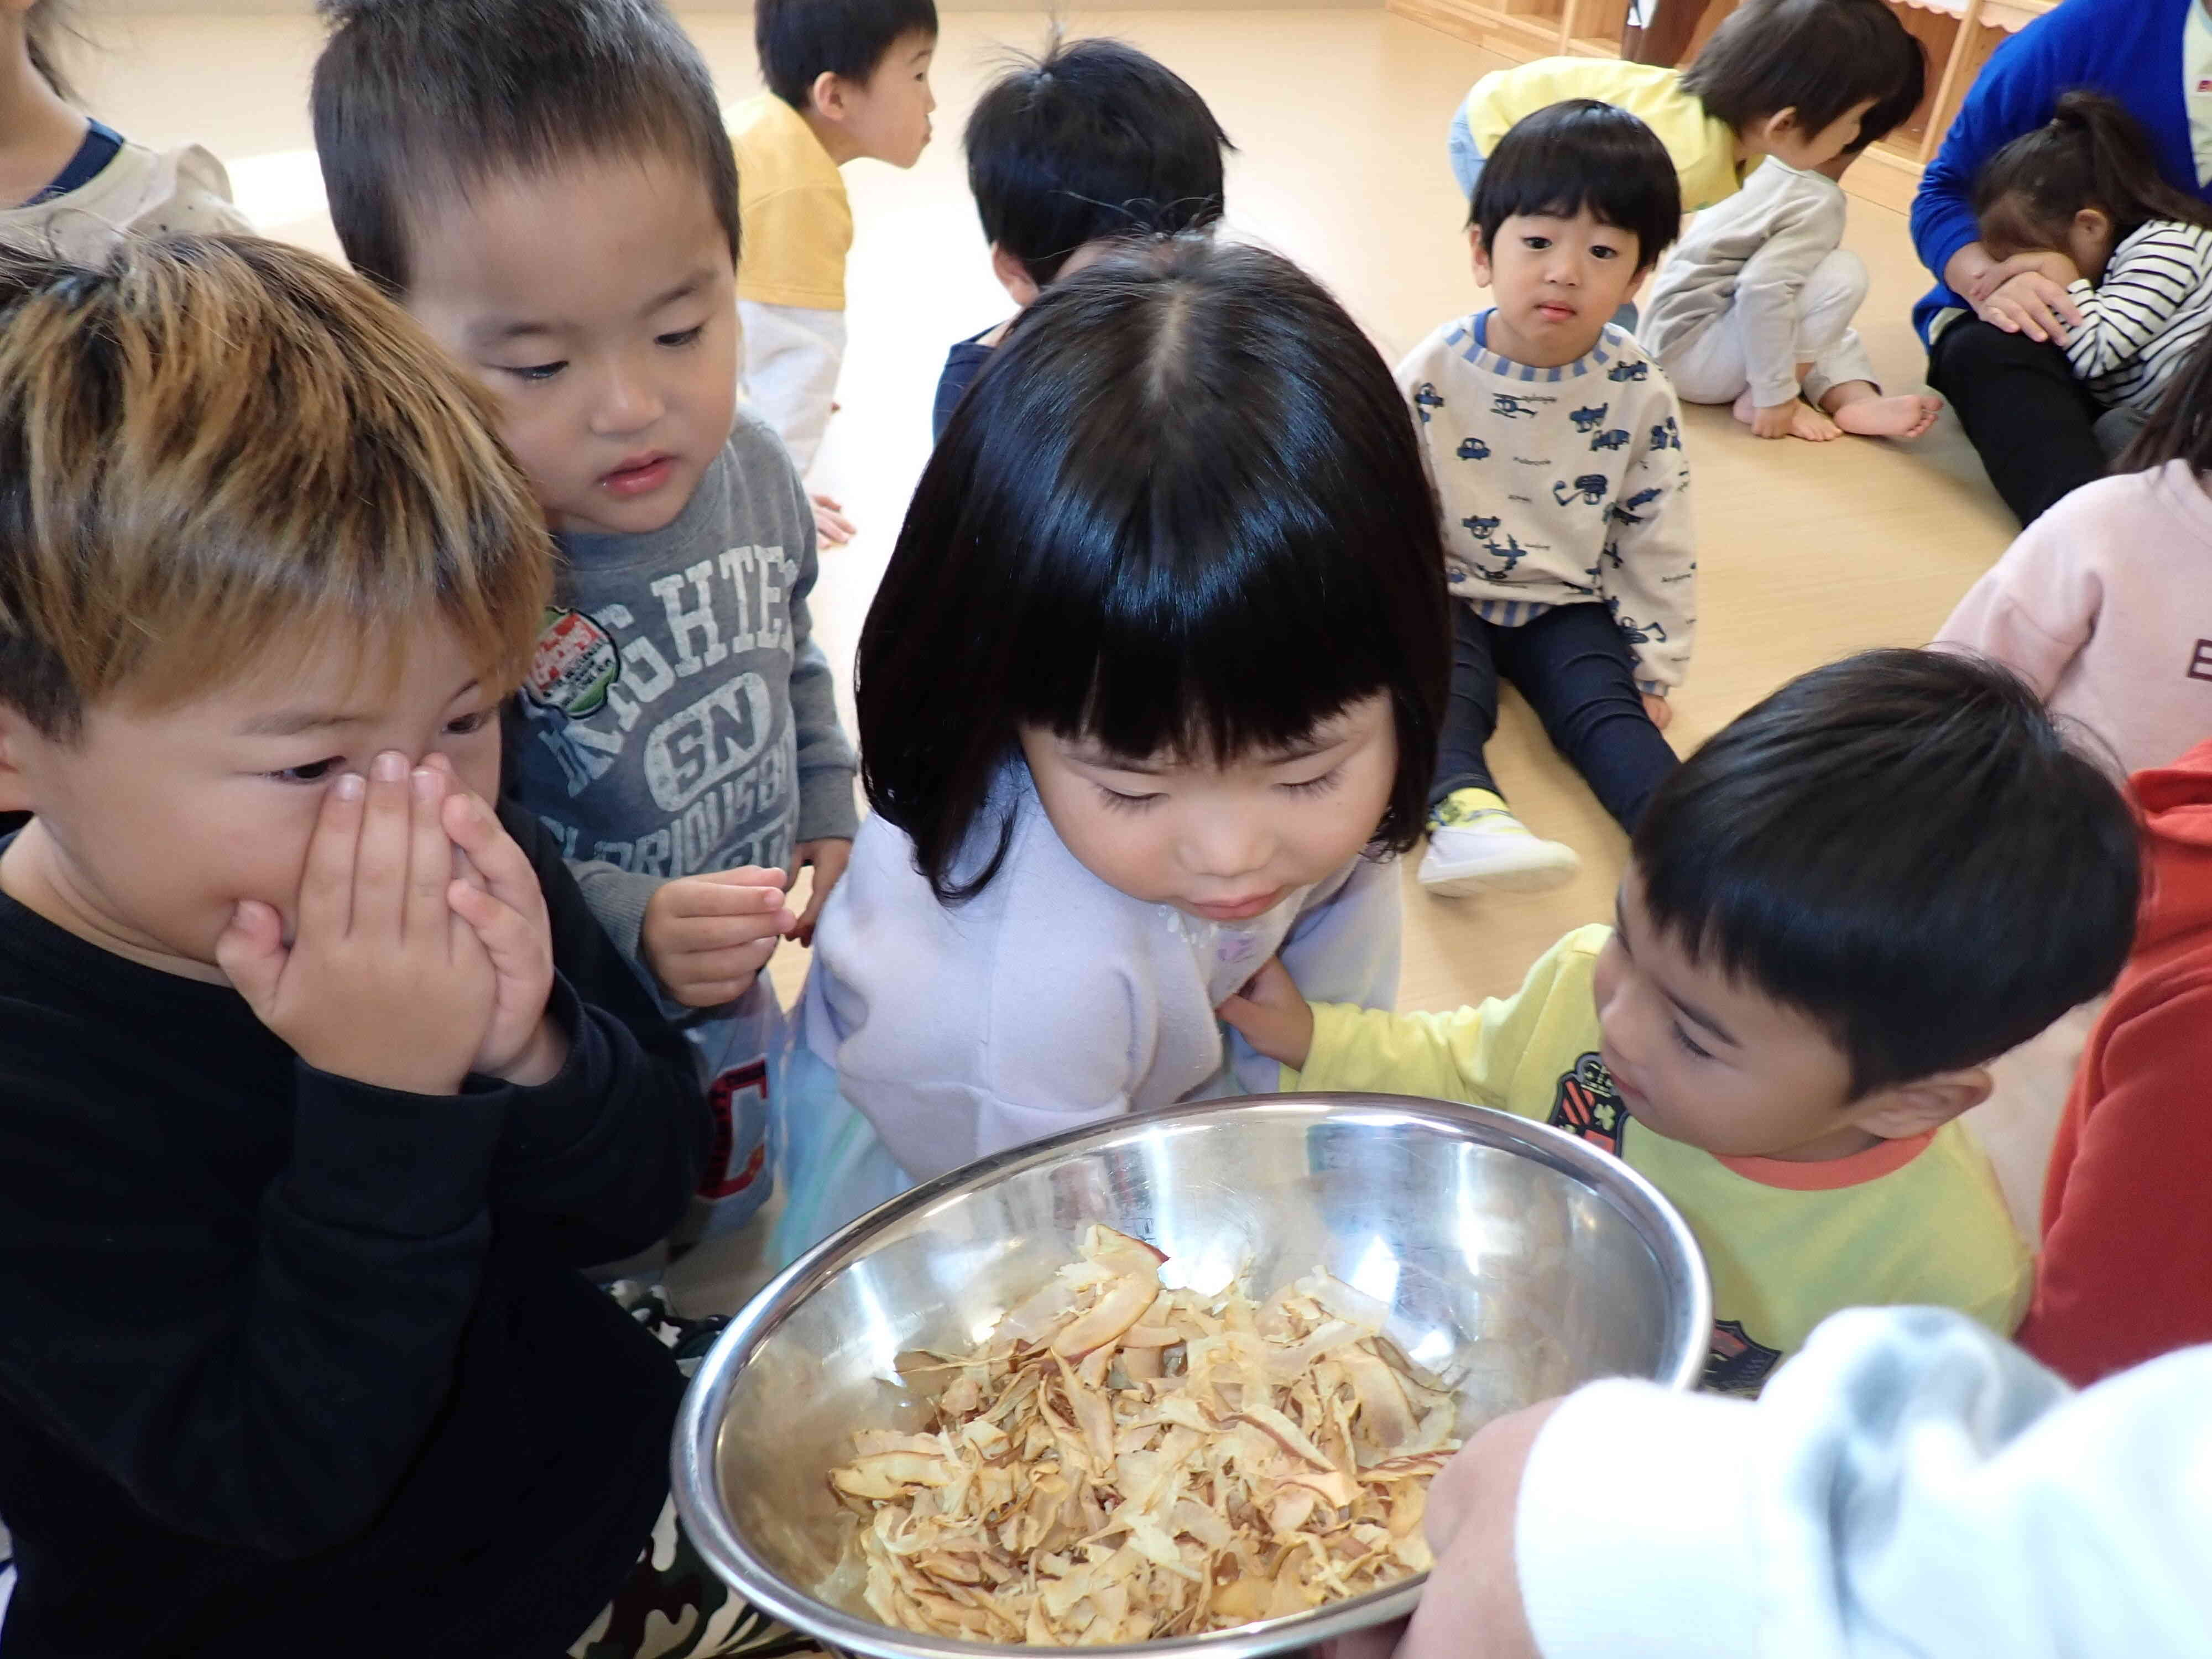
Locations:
(1806, 552)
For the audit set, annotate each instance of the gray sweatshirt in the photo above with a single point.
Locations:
(678, 717)
(1754, 251)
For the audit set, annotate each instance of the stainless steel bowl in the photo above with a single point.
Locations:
(1515, 1261)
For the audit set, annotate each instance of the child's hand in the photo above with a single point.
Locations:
(1271, 1016)
(828, 859)
(496, 893)
(706, 938)
(831, 527)
(1658, 708)
(382, 981)
(2043, 261)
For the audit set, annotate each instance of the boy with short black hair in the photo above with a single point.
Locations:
(846, 79)
(544, 185)
(1092, 141)
(306, 1138)
(1837, 913)
(1555, 447)
(1755, 307)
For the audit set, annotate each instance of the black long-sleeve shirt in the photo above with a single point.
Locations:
(291, 1365)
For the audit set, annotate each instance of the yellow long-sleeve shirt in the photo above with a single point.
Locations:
(1918, 1221)
(1703, 146)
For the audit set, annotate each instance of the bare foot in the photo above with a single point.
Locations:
(1814, 428)
(1794, 419)
(1906, 417)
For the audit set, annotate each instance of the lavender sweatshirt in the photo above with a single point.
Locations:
(2105, 605)
(1052, 1000)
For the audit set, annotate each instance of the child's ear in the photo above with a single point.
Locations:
(1780, 125)
(1481, 256)
(18, 740)
(828, 95)
(1914, 1109)
(1013, 276)
(2094, 222)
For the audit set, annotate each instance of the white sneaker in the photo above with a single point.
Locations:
(1494, 852)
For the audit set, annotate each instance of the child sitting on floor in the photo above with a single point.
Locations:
(1555, 451)
(1836, 913)
(1755, 308)
(545, 184)
(69, 185)
(1067, 152)
(1149, 693)
(846, 79)
(1779, 78)
(2102, 604)
(306, 1138)
(2083, 194)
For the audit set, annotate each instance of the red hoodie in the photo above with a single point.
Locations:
(2126, 1270)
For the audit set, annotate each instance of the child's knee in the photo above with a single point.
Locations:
(1843, 274)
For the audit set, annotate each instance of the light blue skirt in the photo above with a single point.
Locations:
(831, 1164)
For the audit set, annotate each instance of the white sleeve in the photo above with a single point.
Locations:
(1909, 1484)
(793, 354)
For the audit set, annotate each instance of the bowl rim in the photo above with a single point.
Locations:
(695, 1466)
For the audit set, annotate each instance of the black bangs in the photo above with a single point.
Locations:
(1581, 154)
(1182, 511)
(1903, 847)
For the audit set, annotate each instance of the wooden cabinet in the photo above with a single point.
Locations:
(1959, 36)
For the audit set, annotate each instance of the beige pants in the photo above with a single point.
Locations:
(1709, 367)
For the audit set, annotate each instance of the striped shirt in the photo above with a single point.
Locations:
(2139, 323)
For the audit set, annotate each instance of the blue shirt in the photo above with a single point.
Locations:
(961, 365)
(2130, 50)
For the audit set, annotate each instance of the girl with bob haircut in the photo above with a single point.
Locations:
(1150, 691)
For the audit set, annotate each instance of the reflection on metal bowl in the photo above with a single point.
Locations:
(1515, 1261)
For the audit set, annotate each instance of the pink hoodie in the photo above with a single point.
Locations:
(2105, 605)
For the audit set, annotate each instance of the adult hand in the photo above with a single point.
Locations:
(496, 893)
(382, 981)
(1658, 708)
(1973, 274)
(828, 860)
(1271, 1014)
(706, 938)
(1472, 1608)
(2028, 302)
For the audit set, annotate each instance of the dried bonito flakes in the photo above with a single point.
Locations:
(1122, 1461)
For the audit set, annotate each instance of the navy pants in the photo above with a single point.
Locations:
(1575, 670)
(2033, 424)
